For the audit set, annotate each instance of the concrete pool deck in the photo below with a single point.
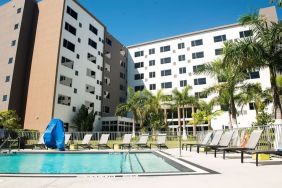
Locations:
(231, 174)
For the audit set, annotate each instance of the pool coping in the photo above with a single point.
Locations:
(178, 163)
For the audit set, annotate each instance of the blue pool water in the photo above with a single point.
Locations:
(84, 163)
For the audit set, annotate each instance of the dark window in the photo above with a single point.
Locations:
(106, 109)
(254, 75)
(197, 67)
(74, 90)
(139, 88)
(152, 51)
(200, 81)
(182, 70)
(92, 43)
(166, 72)
(219, 38)
(77, 56)
(65, 81)
(67, 62)
(80, 24)
(181, 58)
(67, 44)
(122, 75)
(91, 57)
(246, 33)
(152, 63)
(139, 53)
(181, 45)
(109, 42)
(165, 48)
(76, 73)
(64, 100)
(165, 60)
(10, 61)
(70, 28)
(121, 87)
(139, 65)
(78, 40)
(183, 83)
(197, 42)
(218, 51)
(71, 12)
(200, 95)
(197, 55)
(166, 85)
(13, 43)
(93, 29)
(74, 109)
(7, 79)
(19, 10)
(4, 98)
(16, 26)
(252, 106)
(139, 76)
(152, 74)
(152, 86)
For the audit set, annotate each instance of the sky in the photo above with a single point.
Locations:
(136, 21)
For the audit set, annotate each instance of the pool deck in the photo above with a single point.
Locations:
(231, 174)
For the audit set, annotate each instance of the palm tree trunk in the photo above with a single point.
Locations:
(184, 135)
(179, 122)
(133, 126)
(277, 109)
(230, 119)
(194, 124)
(233, 111)
(209, 125)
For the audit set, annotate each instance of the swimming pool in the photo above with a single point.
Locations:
(91, 163)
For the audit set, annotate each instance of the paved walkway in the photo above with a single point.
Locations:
(232, 174)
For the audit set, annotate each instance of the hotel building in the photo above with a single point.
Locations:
(171, 62)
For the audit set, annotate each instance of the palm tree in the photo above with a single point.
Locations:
(278, 2)
(133, 105)
(262, 50)
(181, 99)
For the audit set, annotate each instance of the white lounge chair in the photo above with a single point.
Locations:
(103, 142)
(85, 142)
(142, 143)
(161, 139)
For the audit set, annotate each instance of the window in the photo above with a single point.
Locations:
(197, 67)
(7, 79)
(71, 12)
(76, 73)
(139, 65)
(78, 40)
(91, 58)
(183, 83)
(89, 89)
(181, 45)
(19, 10)
(74, 109)
(139, 76)
(252, 106)
(182, 70)
(151, 51)
(219, 38)
(77, 56)
(13, 43)
(10, 61)
(152, 63)
(139, 88)
(122, 75)
(107, 95)
(106, 109)
(74, 90)
(152, 86)
(109, 42)
(92, 43)
(181, 58)
(166, 72)
(139, 53)
(122, 100)
(64, 100)
(65, 81)
(91, 73)
(4, 98)
(197, 42)
(165, 60)
(197, 55)
(152, 74)
(200, 81)
(70, 46)
(121, 87)
(80, 25)
(218, 51)
(93, 29)
(70, 28)
(246, 33)
(200, 95)
(166, 85)
(16, 26)
(67, 62)
(254, 75)
(165, 48)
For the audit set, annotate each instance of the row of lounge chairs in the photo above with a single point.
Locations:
(103, 142)
(222, 141)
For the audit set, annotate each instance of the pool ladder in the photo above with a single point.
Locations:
(124, 162)
(10, 141)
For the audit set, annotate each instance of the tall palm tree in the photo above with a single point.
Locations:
(182, 99)
(133, 105)
(262, 50)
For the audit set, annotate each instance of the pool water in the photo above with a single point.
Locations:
(84, 163)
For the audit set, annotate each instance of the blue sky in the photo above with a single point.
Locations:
(135, 21)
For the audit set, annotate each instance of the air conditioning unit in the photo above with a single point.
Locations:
(175, 76)
(174, 63)
(146, 80)
(146, 56)
(190, 73)
(173, 51)
(189, 61)
(145, 68)
(188, 48)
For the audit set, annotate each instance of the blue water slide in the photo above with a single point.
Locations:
(54, 136)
